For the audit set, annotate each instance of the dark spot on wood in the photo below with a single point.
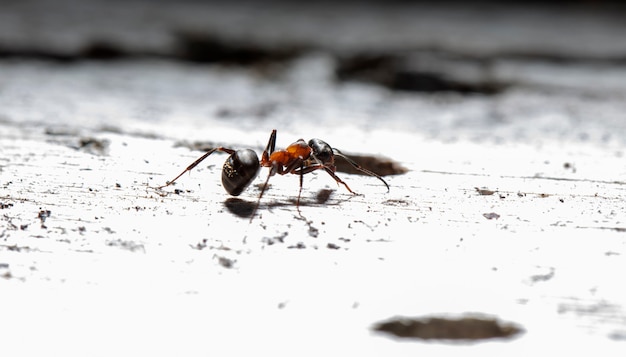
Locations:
(447, 328)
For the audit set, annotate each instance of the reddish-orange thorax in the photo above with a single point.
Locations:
(297, 150)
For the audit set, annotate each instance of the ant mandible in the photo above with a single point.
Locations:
(242, 166)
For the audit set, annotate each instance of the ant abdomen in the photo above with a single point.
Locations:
(239, 170)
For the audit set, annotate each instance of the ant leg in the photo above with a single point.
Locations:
(198, 161)
(300, 191)
(277, 168)
(271, 145)
(339, 181)
(295, 166)
(273, 170)
(358, 167)
(329, 170)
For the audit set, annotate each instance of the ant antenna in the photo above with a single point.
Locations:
(336, 152)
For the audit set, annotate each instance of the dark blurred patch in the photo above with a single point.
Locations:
(205, 48)
(196, 145)
(444, 328)
(379, 165)
(323, 196)
(126, 244)
(93, 146)
(103, 50)
(420, 71)
(96, 50)
(239, 207)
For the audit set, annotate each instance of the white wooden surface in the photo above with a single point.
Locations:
(119, 268)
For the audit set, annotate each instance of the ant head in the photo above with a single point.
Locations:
(239, 171)
(322, 151)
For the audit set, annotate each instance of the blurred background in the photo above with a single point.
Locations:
(205, 70)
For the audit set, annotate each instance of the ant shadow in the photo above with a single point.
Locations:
(245, 209)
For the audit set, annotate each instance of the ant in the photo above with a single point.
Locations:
(242, 166)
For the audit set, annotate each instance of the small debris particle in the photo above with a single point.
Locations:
(125, 244)
(491, 215)
(277, 239)
(5, 205)
(397, 203)
(299, 245)
(118, 185)
(43, 214)
(200, 245)
(484, 191)
(543, 277)
(332, 246)
(226, 262)
(93, 146)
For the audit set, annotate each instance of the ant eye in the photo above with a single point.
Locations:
(239, 170)
(321, 151)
